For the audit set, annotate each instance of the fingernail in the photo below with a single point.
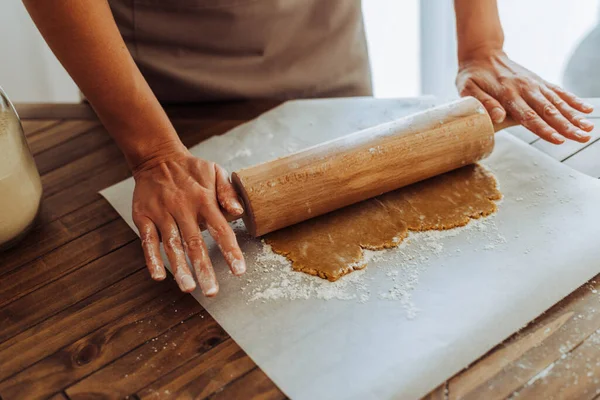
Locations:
(585, 123)
(581, 134)
(238, 267)
(158, 273)
(237, 207)
(209, 288)
(558, 138)
(497, 115)
(187, 283)
(588, 106)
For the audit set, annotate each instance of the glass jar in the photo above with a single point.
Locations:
(20, 183)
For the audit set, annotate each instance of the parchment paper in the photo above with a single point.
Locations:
(475, 290)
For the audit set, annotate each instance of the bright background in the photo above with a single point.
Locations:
(411, 44)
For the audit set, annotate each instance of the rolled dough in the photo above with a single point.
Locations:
(331, 245)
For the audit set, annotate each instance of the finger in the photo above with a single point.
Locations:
(174, 250)
(226, 194)
(553, 117)
(493, 107)
(567, 110)
(220, 230)
(571, 99)
(151, 247)
(198, 254)
(524, 115)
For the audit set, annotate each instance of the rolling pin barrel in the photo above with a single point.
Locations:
(362, 165)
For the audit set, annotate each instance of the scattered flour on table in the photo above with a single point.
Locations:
(272, 277)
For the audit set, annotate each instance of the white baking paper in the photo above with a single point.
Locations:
(466, 291)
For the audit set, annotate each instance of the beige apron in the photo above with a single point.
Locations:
(202, 50)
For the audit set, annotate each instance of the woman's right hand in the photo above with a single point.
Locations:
(174, 195)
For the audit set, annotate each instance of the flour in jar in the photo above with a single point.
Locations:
(20, 184)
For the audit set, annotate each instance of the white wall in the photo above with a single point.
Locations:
(28, 70)
(393, 36)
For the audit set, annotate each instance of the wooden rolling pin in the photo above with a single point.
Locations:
(365, 164)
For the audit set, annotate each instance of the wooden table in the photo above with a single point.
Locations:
(81, 318)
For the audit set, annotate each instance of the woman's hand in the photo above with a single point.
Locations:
(173, 196)
(504, 87)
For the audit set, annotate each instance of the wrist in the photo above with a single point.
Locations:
(144, 159)
(482, 52)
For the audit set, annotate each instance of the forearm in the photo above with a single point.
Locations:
(84, 37)
(478, 27)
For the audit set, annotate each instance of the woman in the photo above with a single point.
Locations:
(127, 56)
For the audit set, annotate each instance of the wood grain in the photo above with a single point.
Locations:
(48, 236)
(512, 364)
(32, 127)
(59, 133)
(158, 357)
(33, 308)
(71, 149)
(363, 165)
(202, 376)
(101, 347)
(254, 385)
(439, 393)
(36, 111)
(65, 259)
(77, 321)
(59, 396)
(575, 375)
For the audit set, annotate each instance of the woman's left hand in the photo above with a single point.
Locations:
(504, 87)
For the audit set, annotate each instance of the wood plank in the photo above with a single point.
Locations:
(58, 134)
(254, 385)
(31, 127)
(89, 217)
(48, 236)
(246, 109)
(85, 191)
(33, 111)
(67, 258)
(34, 307)
(587, 160)
(570, 147)
(149, 362)
(79, 320)
(576, 375)
(439, 393)
(69, 175)
(41, 240)
(513, 363)
(59, 396)
(203, 375)
(71, 150)
(96, 350)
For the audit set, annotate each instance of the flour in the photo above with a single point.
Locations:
(390, 275)
(273, 278)
(246, 152)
